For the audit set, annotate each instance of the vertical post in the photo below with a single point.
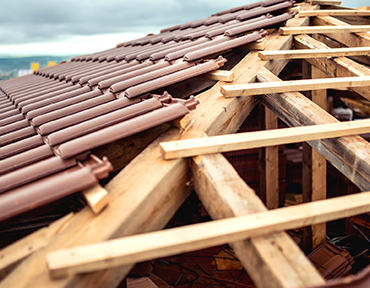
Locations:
(314, 171)
(269, 162)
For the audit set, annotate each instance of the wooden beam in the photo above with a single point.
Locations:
(348, 39)
(314, 53)
(334, 67)
(325, 2)
(141, 185)
(324, 29)
(271, 259)
(350, 155)
(268, 162)
(330, 12)
(314, 173)
(249, 140)
(256, 45)
(96, 197)
(194, 237)
(293, 85)
(220, 75)
(26, 246)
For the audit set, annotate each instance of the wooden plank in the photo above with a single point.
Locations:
(268, 162)
(334, 67)
(350, 155)
(249, 140)
(96, 197)
(331, 12)
(293, 85)
(348, 39)
(140, 184)
(26, 246)
(324, 29)
(314, 53)
(325, 2)
(256, 45)
(189, 238)
(220, 75)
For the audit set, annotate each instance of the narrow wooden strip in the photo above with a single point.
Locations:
(293, 86)
(96, 197)
(257, 45)
(248, 140)
(330, 12)
(313, 53)
(220, 75)
(324, 29)
(199, 236)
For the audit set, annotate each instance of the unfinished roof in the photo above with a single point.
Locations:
(51, 120)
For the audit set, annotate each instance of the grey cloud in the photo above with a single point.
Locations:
(25, 21)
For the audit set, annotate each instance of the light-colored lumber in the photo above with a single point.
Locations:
(96, 197)
(200, 236)
(26, 246)
(331, 12)
(220, 75)
(293, 85)
(348, 39)
(141, 185)
(324, 29)
(314, 53)
(268, 162)
(334, 67)
(350, 155)
(248, 140)
(325, 2)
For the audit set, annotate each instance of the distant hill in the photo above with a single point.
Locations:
(20, 63)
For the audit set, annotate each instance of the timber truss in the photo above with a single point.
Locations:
(148, 191)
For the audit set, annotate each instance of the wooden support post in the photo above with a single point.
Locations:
(314, 176)
(268, 162)
(350, 155)
(139, 248)
(324, 29)
(334, 67)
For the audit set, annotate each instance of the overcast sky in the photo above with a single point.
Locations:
(74, 27)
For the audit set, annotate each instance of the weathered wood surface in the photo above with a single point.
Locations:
(350, 155)
(268, 162)
(139, 248)
(334, 67)
(272, 261)
(314, 173)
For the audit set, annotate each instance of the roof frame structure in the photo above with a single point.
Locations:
(157, 190)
